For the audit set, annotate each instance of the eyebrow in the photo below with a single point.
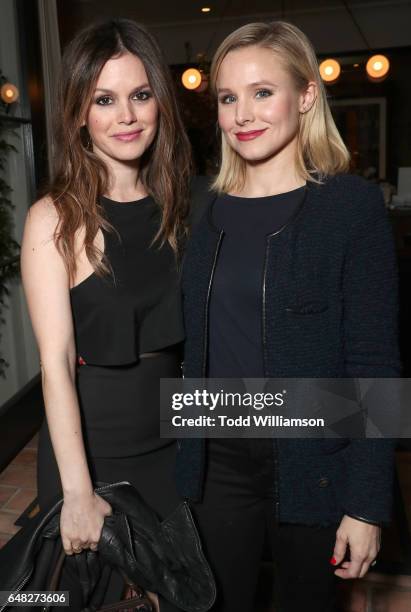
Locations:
(109, 91)
(250, 86)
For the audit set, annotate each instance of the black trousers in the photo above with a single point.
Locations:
(236, 522)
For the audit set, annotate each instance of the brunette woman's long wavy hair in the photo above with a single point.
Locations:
(79, 177)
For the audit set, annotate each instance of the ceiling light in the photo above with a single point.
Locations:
(191, 78)
(330, 70)
(9, 93)
(206, 9)
(377, 67)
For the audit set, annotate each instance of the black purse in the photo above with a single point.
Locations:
(164, 557)
(134, 597)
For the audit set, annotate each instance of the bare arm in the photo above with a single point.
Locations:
(46, 287)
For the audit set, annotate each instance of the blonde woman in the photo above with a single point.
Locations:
(289, 273)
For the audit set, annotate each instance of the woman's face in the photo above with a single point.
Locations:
(123, 116)
(258, 104)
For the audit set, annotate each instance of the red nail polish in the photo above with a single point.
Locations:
(333, 561)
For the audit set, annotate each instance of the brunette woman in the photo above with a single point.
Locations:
(290, 272)
(99, 263)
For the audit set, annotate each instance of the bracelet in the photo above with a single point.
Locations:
(363, 520)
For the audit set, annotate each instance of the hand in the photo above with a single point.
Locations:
(81, 521)
(363, 540)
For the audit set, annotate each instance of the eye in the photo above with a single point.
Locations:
(104, 100)
(263, 93)
(142, 96)
(227, 99)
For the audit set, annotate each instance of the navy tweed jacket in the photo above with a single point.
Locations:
(330, 310)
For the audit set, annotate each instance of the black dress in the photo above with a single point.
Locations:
(128, 331)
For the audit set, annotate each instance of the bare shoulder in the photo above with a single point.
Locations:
(42, 218)
(38, 245)
(41, 222)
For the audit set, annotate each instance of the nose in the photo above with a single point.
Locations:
(244, 111)
(126, 112)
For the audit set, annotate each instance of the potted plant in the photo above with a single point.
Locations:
(9, 248)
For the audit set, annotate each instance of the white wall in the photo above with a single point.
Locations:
(18, 346)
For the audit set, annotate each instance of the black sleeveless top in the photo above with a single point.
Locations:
(137, 309)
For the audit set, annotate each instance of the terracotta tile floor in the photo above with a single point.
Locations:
(376, 593)
(17, 489)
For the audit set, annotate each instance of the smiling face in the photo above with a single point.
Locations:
(123, 115)
(258, 104)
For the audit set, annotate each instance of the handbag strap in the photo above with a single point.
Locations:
(139, 602)
(142, 604)
(55, 577)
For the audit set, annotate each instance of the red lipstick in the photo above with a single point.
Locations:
(250, 135)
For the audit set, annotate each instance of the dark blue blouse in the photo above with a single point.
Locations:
(235, 340)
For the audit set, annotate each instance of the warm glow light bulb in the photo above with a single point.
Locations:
(330, 70)
(377, 67)
(205, 9)
(191, 78)
(9, 93)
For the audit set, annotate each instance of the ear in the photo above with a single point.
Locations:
(308, 97)
(85, 117)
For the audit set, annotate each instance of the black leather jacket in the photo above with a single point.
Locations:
(162, 557)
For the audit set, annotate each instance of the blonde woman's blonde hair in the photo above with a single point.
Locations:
(320, 149)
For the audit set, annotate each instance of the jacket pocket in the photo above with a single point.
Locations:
(307, 308)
